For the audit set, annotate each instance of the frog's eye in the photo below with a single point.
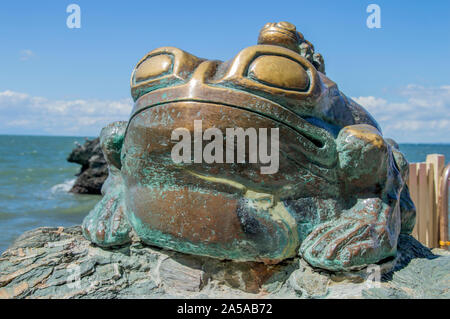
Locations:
(153, 67)
(280, 72)
(162, 68)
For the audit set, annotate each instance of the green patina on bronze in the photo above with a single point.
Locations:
(339, 198)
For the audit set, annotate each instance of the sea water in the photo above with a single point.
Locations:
(34, 182)
(35, 179)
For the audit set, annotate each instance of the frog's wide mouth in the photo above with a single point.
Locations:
(314, 138)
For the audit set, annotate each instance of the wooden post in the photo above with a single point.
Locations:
(443, 209)
(425, 189)
(436, 163)
(423, 204)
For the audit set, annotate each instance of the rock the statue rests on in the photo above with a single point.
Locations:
(60, 263)
(338, 199)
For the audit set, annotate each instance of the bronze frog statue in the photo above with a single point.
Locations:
(338, 198)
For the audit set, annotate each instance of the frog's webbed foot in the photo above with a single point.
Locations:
(107, 224)
(367, 232)
(361, 236)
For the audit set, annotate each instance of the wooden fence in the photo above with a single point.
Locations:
(429, 191)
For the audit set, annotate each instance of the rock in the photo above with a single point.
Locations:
(94, 169)
(308, 282)
(180, 276)
(60, 263)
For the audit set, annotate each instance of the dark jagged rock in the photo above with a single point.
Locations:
(61, 263)
(94, 170)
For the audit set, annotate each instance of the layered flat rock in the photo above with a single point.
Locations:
(60, 263)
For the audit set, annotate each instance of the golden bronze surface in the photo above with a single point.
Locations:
(334, 198)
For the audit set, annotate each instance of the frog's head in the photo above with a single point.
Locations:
(273, 84)
(328, 147)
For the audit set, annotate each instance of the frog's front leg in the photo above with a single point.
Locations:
(367, 231)
(107, 224)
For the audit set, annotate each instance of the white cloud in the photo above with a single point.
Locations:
(26, 55)
(422, 115)
(21, 113)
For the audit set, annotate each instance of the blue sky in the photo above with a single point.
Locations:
(60, 81)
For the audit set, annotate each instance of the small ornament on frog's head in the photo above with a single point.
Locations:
(282, 34)
(285, 34)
